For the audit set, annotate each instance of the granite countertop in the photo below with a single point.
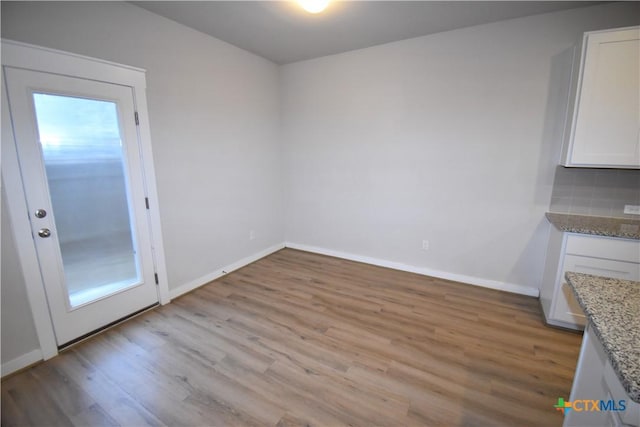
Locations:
(612, 306)
(600, 226)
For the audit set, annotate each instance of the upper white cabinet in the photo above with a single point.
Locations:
(603, 124)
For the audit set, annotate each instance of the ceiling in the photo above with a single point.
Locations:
(283, 33)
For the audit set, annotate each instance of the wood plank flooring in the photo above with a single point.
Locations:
(302, 339)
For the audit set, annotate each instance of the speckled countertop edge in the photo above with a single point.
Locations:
(612, 306)
(626, 228)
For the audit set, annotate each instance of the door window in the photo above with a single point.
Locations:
(83, 157)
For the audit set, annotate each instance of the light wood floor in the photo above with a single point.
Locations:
(302, 339)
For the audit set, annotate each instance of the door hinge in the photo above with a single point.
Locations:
(146, 202)
(155, 275)
(136, 117)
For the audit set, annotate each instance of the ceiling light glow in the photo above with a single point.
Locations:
(314, 6)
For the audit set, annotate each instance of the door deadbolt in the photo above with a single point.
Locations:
(44, 232)
(40, 213)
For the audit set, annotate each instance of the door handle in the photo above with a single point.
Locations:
(44, 232)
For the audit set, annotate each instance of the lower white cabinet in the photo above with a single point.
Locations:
(588, 384)
(601, 256)
(595, 379)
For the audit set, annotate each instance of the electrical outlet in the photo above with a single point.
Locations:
(632, 209)
(252, 235)
(425, 245)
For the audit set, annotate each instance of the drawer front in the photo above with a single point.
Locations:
(567, 308)
(603, 247)
(601, 267)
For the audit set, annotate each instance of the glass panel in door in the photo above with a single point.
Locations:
(84, 161)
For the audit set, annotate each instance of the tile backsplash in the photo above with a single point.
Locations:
(595, 192)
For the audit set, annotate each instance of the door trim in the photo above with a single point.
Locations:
(21, 55)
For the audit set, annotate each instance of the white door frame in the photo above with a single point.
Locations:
(37, 58)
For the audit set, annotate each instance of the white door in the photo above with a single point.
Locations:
(79, 155)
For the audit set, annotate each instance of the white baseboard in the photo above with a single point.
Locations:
(477, 281)
(21, 362)
(188, 287)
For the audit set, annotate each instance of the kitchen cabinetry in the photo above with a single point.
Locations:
(598, 255)
(603, 122)
(595, 379)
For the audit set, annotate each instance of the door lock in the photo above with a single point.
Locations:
(40, 213)
(44, 232)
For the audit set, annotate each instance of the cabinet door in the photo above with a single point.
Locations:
(607, 113)
(567, 308)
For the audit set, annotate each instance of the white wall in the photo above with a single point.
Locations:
(451, 137)
(214, 112)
